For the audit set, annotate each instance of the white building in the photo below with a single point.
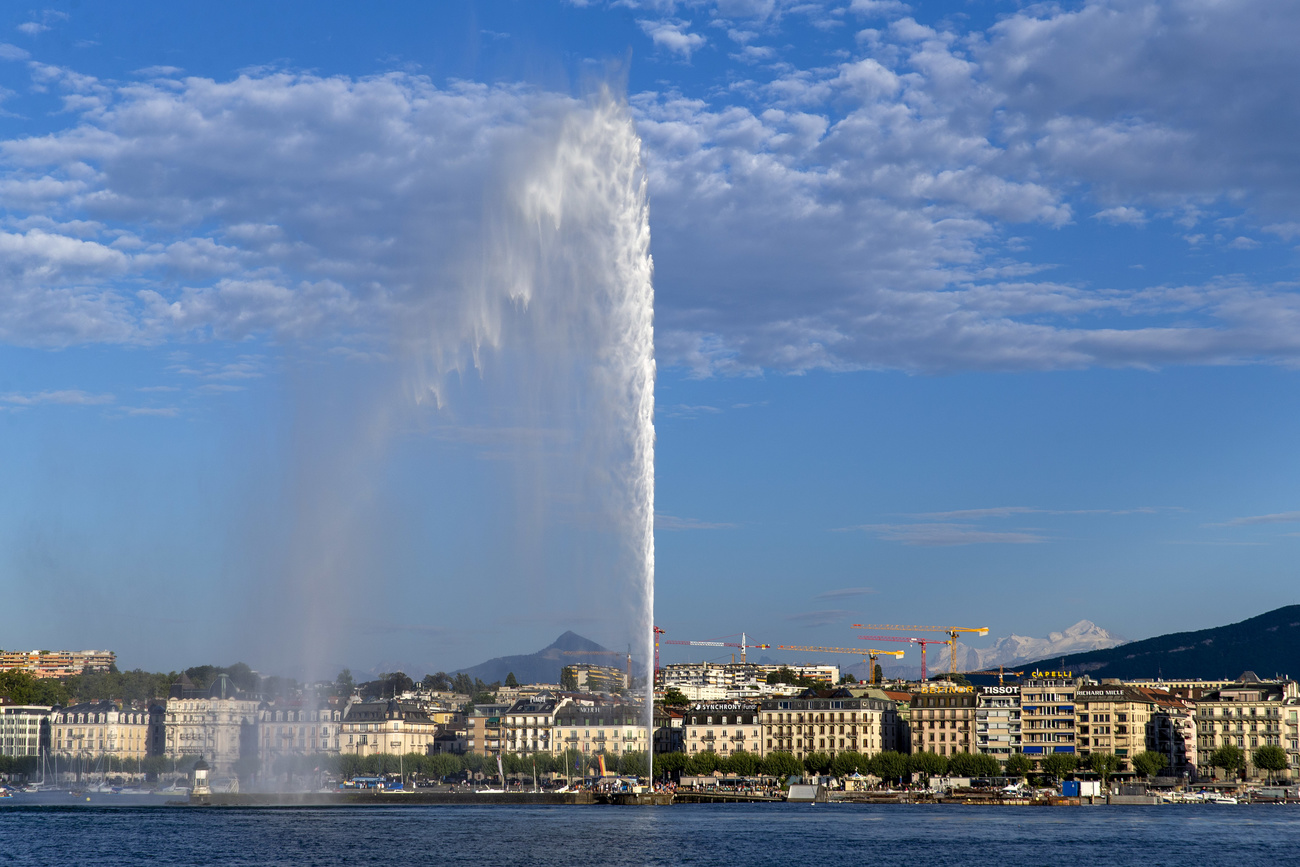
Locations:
(997, 721)
(21, 729)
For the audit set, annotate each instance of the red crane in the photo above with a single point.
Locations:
(921, 641)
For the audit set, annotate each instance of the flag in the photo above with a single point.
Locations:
(600, 760)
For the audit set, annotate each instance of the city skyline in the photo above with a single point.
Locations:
(947, 330)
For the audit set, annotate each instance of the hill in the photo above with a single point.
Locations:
(544, 665)
(1268, 644)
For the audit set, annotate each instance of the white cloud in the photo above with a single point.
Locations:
(1253, 520)
(672, 35)
(1122, 215)
(12, 52)
(949, 534)
(70, 397)
(670, 522)
(32, 28)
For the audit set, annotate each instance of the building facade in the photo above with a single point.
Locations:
(1249, 714)
(391, 727)
(57, 663)
(833, 723)
(591, 729)
(24, 730)
(1047, 713)
(997, 721)
(943, 719)
(297, 728)
(92, 730)
(528, 726)
(723, 728)
(483, 729)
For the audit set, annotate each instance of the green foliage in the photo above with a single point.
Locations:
(848, 763)
(817, 762)
(669, 763)
(132, 686)
(1270, 758)
(877, 674)
(388, 685)
(632, 764)
(1059, 765)
(1148, 764)
(1018, 765)
(1229, 757)
(568, 679)
(674, 697)
(21, 688)
(890, 766)
(929, 764)
(741, 762)
(439, 682)
(700, 764)
(782, 764)
(511, 681)
(973, 765)
(1104, 765)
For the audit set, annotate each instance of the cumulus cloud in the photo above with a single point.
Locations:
(69, 397)
(673, 36)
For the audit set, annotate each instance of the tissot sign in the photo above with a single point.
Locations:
(999, 690)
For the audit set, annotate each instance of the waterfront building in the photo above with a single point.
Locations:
(613, 728)
(392, 727)
(483, 729)
(598, 678)
(670, 730)
(218, 724)
(832, 721)
(1125, 720)
(91, 730)
(997, 721)
(57, 663)
(528, 725)
(1172, 733)
(723, 728)
(297, 728)
(24, 729)
(1047, 713)
(1248, 714)
(942, 718)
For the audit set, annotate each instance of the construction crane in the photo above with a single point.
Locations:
(744, 643)
(921, 641)
(870, 653)
(953, 633)
(1001, 670)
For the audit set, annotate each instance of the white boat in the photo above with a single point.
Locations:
(1221, 799)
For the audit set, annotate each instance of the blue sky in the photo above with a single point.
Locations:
(975, 312)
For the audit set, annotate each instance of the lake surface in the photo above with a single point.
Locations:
(142, 831)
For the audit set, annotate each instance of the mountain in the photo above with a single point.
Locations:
(544, 665)
(1268, 644)
(1079, 638)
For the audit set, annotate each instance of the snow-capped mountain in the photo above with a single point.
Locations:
(1008, 650)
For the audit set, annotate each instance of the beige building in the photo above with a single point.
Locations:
(484, 729)
(943, 719)
(528, 726)
(1249, 714)
(297, 728)
(57, 663)
(1047, 713)
(21, 729)
(216, 724)
(390, 727)
(833, 723)
(723, 728)
(613, 728)
(100, 729)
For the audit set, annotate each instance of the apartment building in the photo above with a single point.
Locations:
(943, 719)
(57, 663)
(386, 727)
(997, 721)
(528, 725)
(483, 735)
(832, 722)
(613, 728)
(723, 728)
(218, 724)
(24, 729)
(297, 728)
(1047, 713)
(1248, 714)
(100, 728)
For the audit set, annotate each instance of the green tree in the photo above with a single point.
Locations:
(891, 766)
(344, 684)
(632, 764)
(674, 697)
(21, 688)
(670, 764)
(511, 681)
(927, 763)
(817, 762)
(1104, 765)
(782, 764)
(877, 674)
(1059, 765)
(1229, 757)
(1270, 758)
(1148, 763)
(851, 762)
(439, 682)
(568, 679)
(702, 764)
(1018, 765)
(741, 762)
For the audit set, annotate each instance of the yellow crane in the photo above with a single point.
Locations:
(870, 653)
(953, 632)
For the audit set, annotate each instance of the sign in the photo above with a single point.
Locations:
(999, 690)
(1061, 674)
(947, 687)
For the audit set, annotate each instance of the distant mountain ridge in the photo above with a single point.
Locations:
(544, 665)
(1268, 644)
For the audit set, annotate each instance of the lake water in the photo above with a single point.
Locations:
(120, 833)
